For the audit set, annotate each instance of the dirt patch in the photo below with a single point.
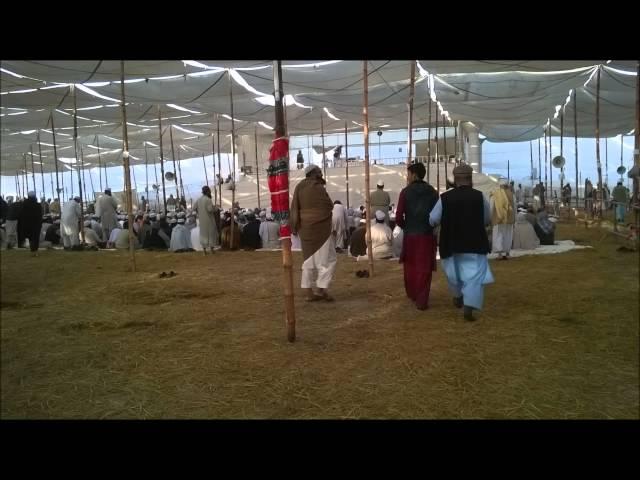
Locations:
(557, 338)
(8, 305)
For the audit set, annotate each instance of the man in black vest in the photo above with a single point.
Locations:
(463, 213)
(418, 243)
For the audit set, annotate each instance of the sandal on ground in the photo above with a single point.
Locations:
(314, 298)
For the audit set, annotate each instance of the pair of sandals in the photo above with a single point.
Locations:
(320, 298)
(362, 274)
(168, 275)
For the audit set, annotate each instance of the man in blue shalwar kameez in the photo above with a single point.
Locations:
(463, 213)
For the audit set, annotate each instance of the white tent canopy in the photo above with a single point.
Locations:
(506, 100)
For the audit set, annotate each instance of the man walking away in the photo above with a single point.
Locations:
(418, 255)
(311, 215)
(462, 213)
(31, 219)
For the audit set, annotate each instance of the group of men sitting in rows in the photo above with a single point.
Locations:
(25, 222)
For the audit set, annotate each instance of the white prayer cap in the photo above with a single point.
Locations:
(380, 215)
(31, 194)
(362, 220)
(269, 217)
(181, 215)
(311, 168)
(172, 221)
(181, 220)
(380, 183)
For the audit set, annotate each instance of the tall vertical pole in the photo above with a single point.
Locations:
(621, 151)
(75, 151)
(346, 156)
(100, 162)
(33, 168)
(146, 173)
(180, 173)
(324, 158)
(157, 185)
(106, 177)
(55, 157)
(550, 165)
(429, 141)
(135, 183)
(508, 172)
(164, 193)
(204, 167)
(437, 155)
(219, 161)
(365, 78)
(455, 142)
(539, 163)
(561, 149)
(213, 163)
(175, 168)
(575, 136)
(90, 176)
(309, 156)
(546, 191)
(41, 167)
(599, 165)
(71, 180)
(446, 155)
(606, 161)
(233, 159)
(531, 161)
(287, 262)
(127, 178)
(25, 177)
(84, 181)
(257, 165)
(412, 78)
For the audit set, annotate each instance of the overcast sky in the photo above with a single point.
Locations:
(494, 159)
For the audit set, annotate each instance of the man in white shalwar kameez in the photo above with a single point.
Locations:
(206, 211)
(462, 213)
(106, 207)
(503, 217)
(269, 233)
(524, 235)
(69, 224)
(381, 237)
(180, 238)
(339, 224)
(195, 238)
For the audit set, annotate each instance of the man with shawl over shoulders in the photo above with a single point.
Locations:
(311, 219)
(503, 217)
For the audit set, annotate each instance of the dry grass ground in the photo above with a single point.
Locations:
(84, 338)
